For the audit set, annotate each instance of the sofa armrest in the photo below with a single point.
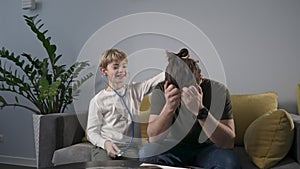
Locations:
(57, 130)
(295, 149)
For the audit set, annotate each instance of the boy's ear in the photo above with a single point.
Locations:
(103, 71)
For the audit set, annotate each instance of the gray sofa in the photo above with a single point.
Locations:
(61, 143)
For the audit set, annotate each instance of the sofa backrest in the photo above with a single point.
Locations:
(246, 108)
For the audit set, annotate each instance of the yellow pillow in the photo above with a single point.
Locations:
(246, 108)
(269, 138)
(144, 118)
(145, 105)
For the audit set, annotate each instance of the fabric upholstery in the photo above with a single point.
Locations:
(145, 105)
(295, 150)
(144, 111)
(75, 153)
(57, 130)
(287, 163)
(51, 134)
(268, 139)
(246, 108)
(68, 134)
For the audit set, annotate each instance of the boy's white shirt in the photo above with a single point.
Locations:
(108, 119)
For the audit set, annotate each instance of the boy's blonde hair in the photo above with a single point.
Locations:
(111, 55)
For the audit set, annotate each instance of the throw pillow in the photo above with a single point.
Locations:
(248, 107)
(145, 105)
(269, 138)
(144, 117)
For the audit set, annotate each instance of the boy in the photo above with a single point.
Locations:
(114, 110)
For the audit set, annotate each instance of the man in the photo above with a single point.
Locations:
(190, 121)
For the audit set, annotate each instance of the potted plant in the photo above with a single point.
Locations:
(48, 85)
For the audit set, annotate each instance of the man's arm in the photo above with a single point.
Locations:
(219, 132)
(159, 124)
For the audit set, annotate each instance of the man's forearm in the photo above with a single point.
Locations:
(159, 124)
(219, 133)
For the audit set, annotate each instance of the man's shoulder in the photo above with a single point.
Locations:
(214, 85)
(212, 82)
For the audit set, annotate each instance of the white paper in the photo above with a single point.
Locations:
(162, 166)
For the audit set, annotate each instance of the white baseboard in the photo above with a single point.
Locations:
(30, 162)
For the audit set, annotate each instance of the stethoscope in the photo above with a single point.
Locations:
(122, 97)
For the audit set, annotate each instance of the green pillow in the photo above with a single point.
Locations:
(248, 107)
(269, 138)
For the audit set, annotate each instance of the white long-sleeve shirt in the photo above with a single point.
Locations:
(108, 119)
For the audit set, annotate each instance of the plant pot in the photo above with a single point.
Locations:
(36, 131)
(44, 127)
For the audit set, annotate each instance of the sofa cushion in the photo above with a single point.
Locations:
(144, 117)
(268, 139)
(295, 151)
(145, 104)
(80, 152)
(248, 107)
(246, 163)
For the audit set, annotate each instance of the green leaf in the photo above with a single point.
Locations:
(53, 90)
(44, 88)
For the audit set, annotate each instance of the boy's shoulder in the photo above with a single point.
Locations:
(98, 95)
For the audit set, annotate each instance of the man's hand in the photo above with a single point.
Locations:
(111, 149)
(172, 94)
(192, 98)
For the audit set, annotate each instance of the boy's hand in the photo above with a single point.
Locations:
(192, 98)
(172, 95)
(111, 149)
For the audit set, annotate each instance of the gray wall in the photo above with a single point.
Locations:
(258, 43)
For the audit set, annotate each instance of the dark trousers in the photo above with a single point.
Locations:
(207, 156)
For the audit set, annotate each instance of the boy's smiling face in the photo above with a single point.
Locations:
(116, 72)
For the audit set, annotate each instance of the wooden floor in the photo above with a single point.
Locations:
(8, 166)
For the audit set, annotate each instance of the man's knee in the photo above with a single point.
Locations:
(150, 149)
(228, 159)
(146, 153)
(218, 158)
